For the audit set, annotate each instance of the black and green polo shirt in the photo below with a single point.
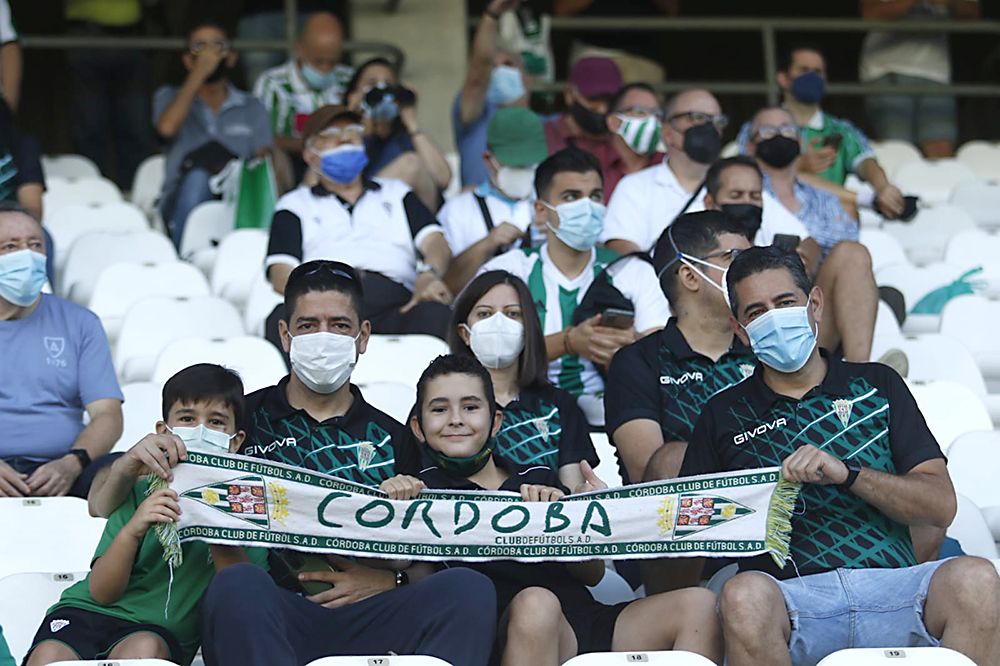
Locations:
(364, 445)
(544, 426)
(861, 411)
(662, 379)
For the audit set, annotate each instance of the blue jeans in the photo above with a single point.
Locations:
(857, 608)
(450, 615)
(192, 190)
(913, 118)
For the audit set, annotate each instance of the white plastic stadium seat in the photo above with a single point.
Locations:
(69, 166)
(901, 656)
(61, 192)
(205, 228)
(935, 356)
(980, 200)
(151, 324)
(975, 247)
(27, 596)
(92, 252)
(971, 531)
(982, 157)
(613, 589)
(974, 466)
(894, 154)
(397, 358)
(394, 660)
(915, 282)
(47, 534)
(974, 321)
(147, 183)
(393, 398)
(122, 285)
(925, 236)
(933, 181)
(261, 302)
(240, 259)
(607, 469)
(257, 361)
(883, 247)
(672, 658)
(142, 408)
(951, 410)
(70, 222)
(887, 334)
(116, 662)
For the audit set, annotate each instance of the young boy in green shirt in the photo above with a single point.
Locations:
(131, 605)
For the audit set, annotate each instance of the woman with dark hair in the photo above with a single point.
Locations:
(494, 319)
(394, 142)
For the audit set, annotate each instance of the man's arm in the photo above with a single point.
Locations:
(484, 45)
(173, 116)
(428, 286)
(622, 246)
(637, 441)
(465, 266)
(890, 198)
(11, 69)
(430, 155)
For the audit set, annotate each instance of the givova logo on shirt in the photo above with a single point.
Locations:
(747, 435)
(683, 379)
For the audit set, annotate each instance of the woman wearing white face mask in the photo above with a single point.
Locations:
(495, 320)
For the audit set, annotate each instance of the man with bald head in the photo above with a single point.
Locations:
(646, 202)
(313, 79)
(55, 364)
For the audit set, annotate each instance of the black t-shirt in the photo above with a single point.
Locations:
(364, 445)
(861, 411)
(662, 379)
(545, 426)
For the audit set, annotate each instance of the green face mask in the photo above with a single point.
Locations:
(463, 466)
(641, 134)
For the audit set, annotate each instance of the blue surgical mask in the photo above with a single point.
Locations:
(22, 276)
(316, 79)
(808, 88)
(344, 163)
(506, 85)
(580, 223)
(782, 338)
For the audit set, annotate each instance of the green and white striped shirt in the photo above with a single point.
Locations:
(289, 99)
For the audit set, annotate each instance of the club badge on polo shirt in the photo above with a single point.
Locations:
(54, 347)
(843, 408)
(56, 625)
(366, 453)
(747, 369)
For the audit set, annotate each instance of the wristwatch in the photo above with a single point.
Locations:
(81, 455)
(424, 267)
(853, 469)
(402, 578)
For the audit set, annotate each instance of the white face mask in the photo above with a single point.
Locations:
(516, 182)
(496, 341)
(323, 361)
(202, 439)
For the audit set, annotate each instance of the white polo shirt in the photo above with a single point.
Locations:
(557, 297)
(645, 202)
(380, 232)
(463, 221)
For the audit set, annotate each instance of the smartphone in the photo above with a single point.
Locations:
(618, 318)
(833, 141)
(296, 562)
(787, 242)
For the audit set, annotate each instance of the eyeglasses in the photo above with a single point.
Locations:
(219, 45)
(720, 120)
(641, 111)
(765, 132)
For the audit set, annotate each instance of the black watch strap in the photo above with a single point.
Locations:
(81, 455)
(402, 578)
(853, 469)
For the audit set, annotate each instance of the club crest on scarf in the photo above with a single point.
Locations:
(687, 514)
(245, 498)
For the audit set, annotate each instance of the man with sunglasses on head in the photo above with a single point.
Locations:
(646, 202)
(205, 122)
(379, 226)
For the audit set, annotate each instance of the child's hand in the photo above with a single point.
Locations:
(536, 493)
(154, 454)
(402, 487)
(590, 480)
(160, 507)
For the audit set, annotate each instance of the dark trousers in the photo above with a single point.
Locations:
(80, 487)
(247, 620)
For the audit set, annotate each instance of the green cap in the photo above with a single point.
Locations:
(515, 136)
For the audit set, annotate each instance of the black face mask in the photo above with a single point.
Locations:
(778, 151)
(702, 143)
(220, 72)
(589, 121)
(747, 215)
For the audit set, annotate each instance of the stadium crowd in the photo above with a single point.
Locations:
(602, 270)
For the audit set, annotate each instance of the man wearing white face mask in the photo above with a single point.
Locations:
(496, 216)
(56, 355)
(495, 80)
(559, 274)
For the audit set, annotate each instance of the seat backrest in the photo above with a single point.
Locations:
(394, 660)
(256, 360)
(916, 282)
(152, 323)
(671, 658)
(92, 252)
(397, 358)
(27, 596)
(883, 248)
(260, 303)
(974, 466)
(950, 410)
(971, 531)
(116, 662)
(608, 470)
(980, 200)
(936, 356)
(925, 236)
(893, 154)
(933, 181)
(147, 182)
(68, 223)
(239, 260)
(887, 333)
(69, 166)
(973, 247)
(206, 226)
(901, 656)
(140, 412)
(89, 190)
(394, 398)
(982, 157)
(973, 320)
(52, 534)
